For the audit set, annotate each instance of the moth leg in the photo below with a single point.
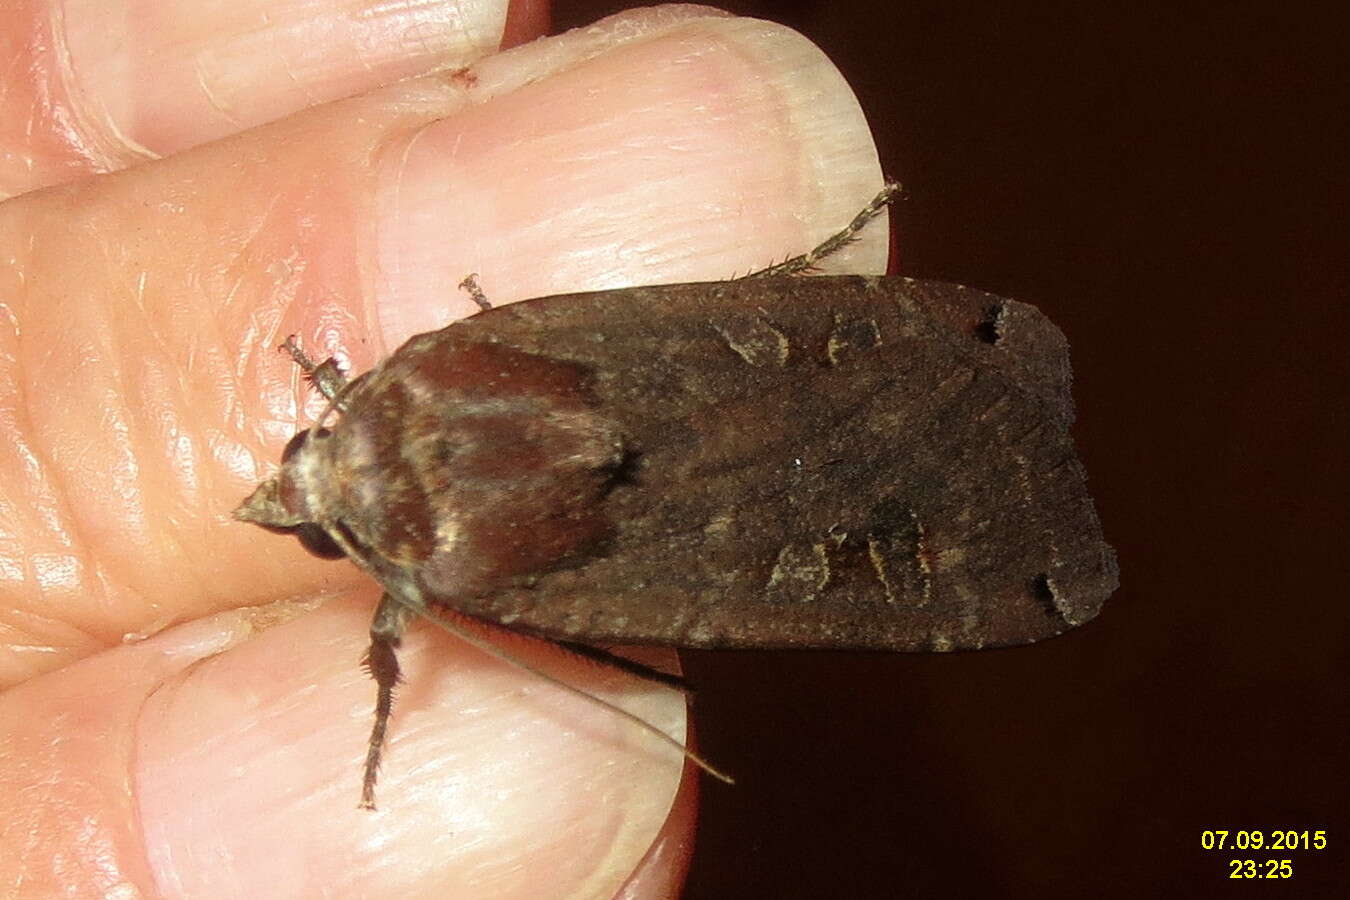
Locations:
(327, 376)
(836, 242)
(381, 661)
(470, 286)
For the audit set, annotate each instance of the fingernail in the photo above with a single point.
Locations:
(248, 772)
(172, 75)
(698, 150)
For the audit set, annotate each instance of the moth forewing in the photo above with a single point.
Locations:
(773, 461)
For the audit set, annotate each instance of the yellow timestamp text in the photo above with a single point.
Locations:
(1260, 868)
(1282, 840)
(1271, 841)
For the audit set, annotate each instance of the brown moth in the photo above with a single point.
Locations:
(834, 461)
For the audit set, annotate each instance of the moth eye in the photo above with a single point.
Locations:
(299, 439)
(294, 444)
(317, 541)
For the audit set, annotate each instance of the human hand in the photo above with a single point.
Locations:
(143, 397)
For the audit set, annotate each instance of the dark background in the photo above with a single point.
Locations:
(1164, 184)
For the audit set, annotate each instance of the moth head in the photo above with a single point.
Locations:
(284, 503)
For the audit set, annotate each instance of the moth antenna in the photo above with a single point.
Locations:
(836, 242)
(600, 657)
(338, 403)
(511, 659)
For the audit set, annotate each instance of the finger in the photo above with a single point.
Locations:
(220, 760)
(97, 86)
(665, 867)
(145, 388)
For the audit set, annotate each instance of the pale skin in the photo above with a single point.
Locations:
(185, 715)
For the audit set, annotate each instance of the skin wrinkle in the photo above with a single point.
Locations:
(186, 470)
(432, 31)
(27, 621)
(116, 424)
(261, 336)
(219, 445)
(41, 106)
(62, 522)
(246, 356)
(8, 76)
(127, 475)
(95, 137)
(396, 204)
(236, 433)
(57, 516)
(210, 96)
(125, 432)
(287, 66)
(361, 56)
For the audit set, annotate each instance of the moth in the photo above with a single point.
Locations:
(775, 461)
